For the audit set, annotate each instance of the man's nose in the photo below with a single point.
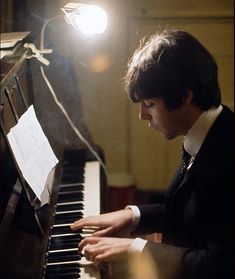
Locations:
(143, 115)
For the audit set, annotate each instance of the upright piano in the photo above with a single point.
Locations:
(36, 241)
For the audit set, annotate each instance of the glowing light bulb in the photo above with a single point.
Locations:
(90, 19)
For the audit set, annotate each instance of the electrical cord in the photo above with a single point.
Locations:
(61, 107)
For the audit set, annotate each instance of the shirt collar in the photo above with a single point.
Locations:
(197, 133)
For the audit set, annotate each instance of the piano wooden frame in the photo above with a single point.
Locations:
(13, 96)
(24, 225)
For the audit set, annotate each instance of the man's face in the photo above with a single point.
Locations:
(170, 123)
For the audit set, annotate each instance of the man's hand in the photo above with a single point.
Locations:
(105, 249)
(108, 223)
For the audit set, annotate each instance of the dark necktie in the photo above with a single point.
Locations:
(185, 159)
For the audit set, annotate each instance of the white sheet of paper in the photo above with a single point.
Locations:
(32, 151)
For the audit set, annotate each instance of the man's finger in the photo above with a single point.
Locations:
(86, 241)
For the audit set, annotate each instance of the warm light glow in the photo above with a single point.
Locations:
(90, 19)
(99, 63)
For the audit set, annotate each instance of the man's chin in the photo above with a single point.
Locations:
(163, 133)
(167, 136)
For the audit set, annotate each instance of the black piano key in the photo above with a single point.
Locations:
(63, 256)
(65, 242)
(66, 275)
(67, 192)
(70, 197)
(62, 269)
(66, 258)
(70, 275)
(72, 179)
(68, 215)
(64, 245)
(69, 207)
(76, 157)
(71, 237)
(73, 172)
(72, 175)
(62, 253)
(63, 230)
(58, 268)
(78, 187)
(66, 237)
(78, 169)
(67, 219)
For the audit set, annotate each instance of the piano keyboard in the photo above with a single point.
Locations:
(78, 197)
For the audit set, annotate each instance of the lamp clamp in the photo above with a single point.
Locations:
(38, 54)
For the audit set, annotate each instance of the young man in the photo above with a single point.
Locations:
(174, 79)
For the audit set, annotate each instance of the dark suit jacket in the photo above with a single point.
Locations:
(197, 219)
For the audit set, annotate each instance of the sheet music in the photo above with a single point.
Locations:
(32, 151)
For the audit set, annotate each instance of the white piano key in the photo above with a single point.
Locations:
(70, 184)
(63, 263)
(62, 250)
(62, 225)
(92, 189)
(89, 272)
(69, 211)
(64, 234)
(88, 269)
(68, 203)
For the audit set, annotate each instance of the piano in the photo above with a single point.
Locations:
(36, 242)
(78, 196)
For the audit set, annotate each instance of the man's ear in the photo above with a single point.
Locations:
(188, 99)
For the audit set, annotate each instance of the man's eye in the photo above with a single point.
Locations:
(149, 105)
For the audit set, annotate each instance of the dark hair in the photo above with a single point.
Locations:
(168, 65)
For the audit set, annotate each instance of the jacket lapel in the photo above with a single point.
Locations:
(206, 153)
